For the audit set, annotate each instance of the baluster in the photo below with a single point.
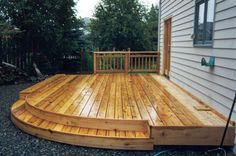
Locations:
(102, 62)
(153, 62)
(110, 60)
(131, 63)
(121, 62)
(105, 62)
(141, 59)
(143, 63)
(114, 63)
(138, 61)
(146, 58)
(117, 62)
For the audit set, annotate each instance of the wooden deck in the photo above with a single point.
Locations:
(118, 111)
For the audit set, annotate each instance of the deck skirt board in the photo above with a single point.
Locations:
(128, 111)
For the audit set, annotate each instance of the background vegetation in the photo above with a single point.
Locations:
(124, 24)
(51, 34)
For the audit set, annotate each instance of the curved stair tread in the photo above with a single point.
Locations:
(89, 137)
(101, 123)
(48, 93)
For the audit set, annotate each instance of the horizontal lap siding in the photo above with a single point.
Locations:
(215, 86)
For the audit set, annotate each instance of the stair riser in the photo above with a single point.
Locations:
(83, 140)
(106, 124)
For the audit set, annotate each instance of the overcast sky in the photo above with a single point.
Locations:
(85, 8)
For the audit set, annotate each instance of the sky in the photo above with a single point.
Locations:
(85, 8)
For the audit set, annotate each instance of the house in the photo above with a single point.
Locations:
(191, 30)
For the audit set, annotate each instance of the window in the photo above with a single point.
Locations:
(204, 17)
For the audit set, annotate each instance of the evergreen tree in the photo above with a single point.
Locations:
(49, 27)
(152, 26)
(119, 24)
(47, 23)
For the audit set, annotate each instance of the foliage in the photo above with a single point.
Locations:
(49, 27)
(119, 24)
(152, 26)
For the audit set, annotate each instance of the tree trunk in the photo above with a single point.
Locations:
(39, 74)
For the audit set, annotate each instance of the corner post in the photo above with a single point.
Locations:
(158, 62)
(94, 63)
(127, 56)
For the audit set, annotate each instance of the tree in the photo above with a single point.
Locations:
(119, 24)
(152, 26)
(49, 27)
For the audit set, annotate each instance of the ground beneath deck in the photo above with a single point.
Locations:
(15, 142)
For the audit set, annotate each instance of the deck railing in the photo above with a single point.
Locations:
(130, 61)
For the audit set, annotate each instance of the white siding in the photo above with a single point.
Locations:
(214, 86)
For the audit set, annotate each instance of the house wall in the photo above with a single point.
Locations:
(215, 86)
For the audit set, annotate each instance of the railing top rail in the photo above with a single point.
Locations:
(123, 52)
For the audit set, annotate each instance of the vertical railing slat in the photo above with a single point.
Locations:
(126, 62)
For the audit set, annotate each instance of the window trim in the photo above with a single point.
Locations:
(204, 43)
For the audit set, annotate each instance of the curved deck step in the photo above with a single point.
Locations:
(89, 137)
(123, 110)
(52, 98)
(44, 83)
(88, 122)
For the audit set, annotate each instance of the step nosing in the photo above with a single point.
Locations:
(104, 123)
(29, 123)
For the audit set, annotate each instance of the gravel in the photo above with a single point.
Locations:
(15, 142)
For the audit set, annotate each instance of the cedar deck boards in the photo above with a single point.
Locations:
(127, 111)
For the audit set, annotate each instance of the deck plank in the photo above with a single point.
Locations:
(110, 112)
(141, 106)
(92, 98)
(85, 83)
(118, 101)
(127, 114)
(134, 108)
(186, 101)
(73, 92)
(152, 112)
(67, 93)
(38, 96)
(87, 94)
(125, 100)
(180, 110)
(42, 83)
(166, 115)
(103, 106)
(72, 108)
(98, 100)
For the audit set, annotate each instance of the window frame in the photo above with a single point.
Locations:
(203, 43)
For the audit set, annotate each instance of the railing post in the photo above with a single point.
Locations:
(126, 62)
(158, 62)
(94, 63)
(127, 57)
